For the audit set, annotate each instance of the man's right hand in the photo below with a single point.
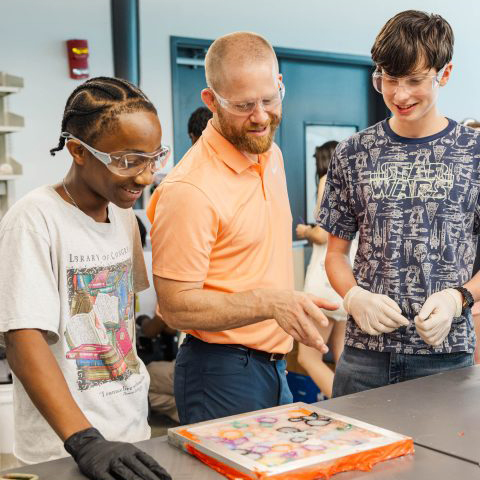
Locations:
(299, 315)
(100, 459)
(373, 313)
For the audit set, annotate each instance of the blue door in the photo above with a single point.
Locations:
(188, 81)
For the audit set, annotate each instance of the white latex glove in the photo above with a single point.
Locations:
(434, 320)
(374, 313)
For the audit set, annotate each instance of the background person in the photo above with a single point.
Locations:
(197, 123)
(317, 283)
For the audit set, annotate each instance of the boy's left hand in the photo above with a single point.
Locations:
(434, 320)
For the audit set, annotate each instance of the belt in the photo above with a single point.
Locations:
(272, 357)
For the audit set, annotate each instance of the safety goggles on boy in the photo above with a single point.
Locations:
(415, 84)
(248, 107)
(127, 164)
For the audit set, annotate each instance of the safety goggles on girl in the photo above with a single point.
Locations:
(127, 163)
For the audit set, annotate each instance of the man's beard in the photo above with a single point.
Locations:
(244, 141)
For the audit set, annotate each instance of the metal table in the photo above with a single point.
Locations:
(440, 412)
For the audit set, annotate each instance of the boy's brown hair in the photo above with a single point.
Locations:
(411, 40)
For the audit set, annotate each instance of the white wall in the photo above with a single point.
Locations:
(33, 32)
(32, 45)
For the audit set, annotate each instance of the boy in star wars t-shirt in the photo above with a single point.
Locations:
(409, 185)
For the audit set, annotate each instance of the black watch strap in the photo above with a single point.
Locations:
(468, 300)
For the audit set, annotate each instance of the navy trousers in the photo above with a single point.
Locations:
(213, 381)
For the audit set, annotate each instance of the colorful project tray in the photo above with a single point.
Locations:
(290, 442)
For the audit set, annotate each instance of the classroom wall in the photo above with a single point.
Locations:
(32, 45)
(32, 36)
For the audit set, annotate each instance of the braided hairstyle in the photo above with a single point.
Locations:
(94, 106)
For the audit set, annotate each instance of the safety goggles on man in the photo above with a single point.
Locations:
(415, 84)
(248, 107)
(127, 164)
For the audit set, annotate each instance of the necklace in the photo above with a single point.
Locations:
(68, 194)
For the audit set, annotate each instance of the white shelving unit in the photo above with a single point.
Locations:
(10, 169)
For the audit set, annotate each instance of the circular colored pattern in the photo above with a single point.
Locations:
(260, 449)
(238, 424)
(298, 439)
(231, 434)
(267, 419)
(288, 430)
(240, 441)
(282, 447)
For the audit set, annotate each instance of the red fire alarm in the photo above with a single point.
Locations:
(78, 58)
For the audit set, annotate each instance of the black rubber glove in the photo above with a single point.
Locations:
(100, 459)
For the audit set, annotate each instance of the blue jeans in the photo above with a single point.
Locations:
(359, 370)
(213, 381)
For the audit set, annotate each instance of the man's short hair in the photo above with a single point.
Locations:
(411, 40)
(198, 121)
(238, 48)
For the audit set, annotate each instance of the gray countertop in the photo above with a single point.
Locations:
(439, 412)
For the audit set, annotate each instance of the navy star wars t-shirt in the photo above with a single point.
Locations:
(414, 202)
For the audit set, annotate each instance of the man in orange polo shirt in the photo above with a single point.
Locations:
(222, 250)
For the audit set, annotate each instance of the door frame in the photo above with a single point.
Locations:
(320, 124)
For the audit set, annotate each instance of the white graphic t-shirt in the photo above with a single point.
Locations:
(75, 278)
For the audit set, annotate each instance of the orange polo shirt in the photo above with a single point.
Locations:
(221, 219)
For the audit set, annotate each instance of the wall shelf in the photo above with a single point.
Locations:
(7, 90)
(9, 123)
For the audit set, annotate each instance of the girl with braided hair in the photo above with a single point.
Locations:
(68, 292)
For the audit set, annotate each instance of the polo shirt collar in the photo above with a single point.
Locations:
(228, 153)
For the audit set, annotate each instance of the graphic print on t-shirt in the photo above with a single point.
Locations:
(100, 331)
(411, 179)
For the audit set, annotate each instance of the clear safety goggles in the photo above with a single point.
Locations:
(248, 107)
(127, 164)
(415, 84)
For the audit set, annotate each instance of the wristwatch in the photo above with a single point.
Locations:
(468, 300)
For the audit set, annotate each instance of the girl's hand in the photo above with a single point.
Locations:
(301, 230)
